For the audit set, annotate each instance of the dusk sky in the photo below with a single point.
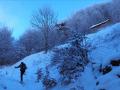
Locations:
(17, 13)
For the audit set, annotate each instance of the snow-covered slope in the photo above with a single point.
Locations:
(10, 76)
(104, 46)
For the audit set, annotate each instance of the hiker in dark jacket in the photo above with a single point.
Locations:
(22, 67)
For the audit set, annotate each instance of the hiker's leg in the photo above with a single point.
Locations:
(21, 76)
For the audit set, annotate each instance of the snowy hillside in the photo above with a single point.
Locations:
(10, 76)
(104, 47)
(105, 44)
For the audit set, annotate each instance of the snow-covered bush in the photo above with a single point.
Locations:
(39, 74)
(49, 82)
(70, 69)
(71, 60)
(71, 65)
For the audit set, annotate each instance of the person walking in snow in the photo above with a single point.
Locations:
(23, 68)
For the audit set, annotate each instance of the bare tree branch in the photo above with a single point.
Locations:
(44, 20)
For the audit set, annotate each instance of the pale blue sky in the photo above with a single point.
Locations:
(17, 13)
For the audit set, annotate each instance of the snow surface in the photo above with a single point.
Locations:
(104, 46)
(10, 75)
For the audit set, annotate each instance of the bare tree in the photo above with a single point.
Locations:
(45, 21)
